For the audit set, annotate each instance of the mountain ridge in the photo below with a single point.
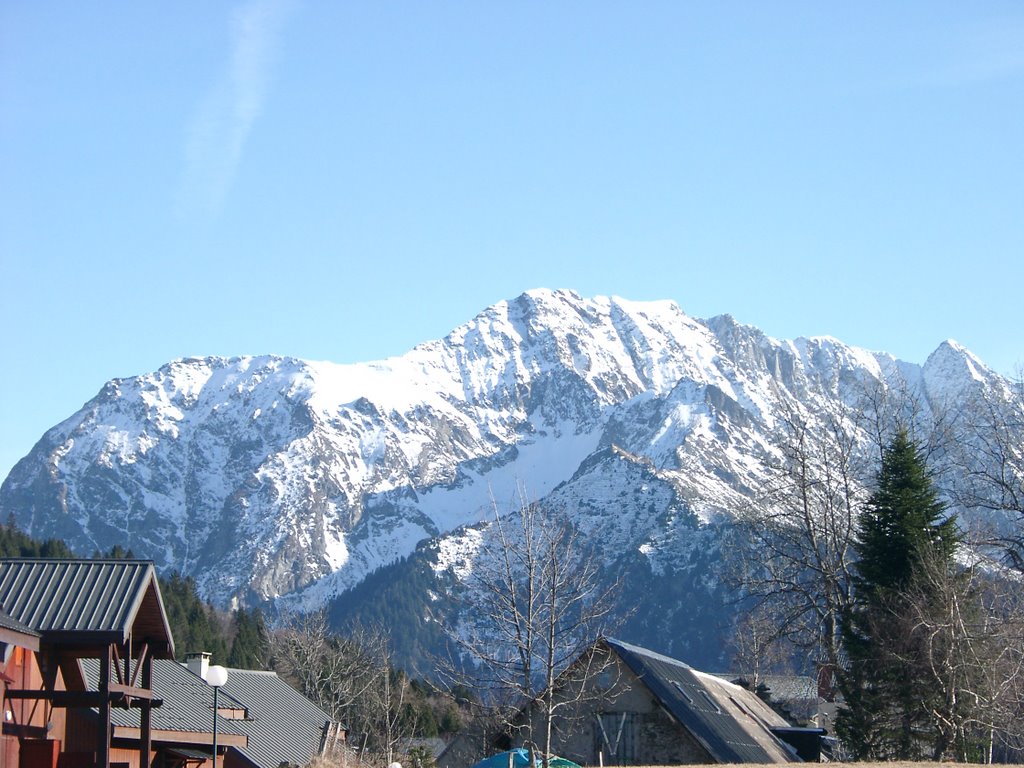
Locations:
(275, 479)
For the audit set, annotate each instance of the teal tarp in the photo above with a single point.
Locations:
(521, 759)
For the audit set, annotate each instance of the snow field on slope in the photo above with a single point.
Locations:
(551, 455)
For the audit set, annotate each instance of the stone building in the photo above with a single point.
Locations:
(637, 707)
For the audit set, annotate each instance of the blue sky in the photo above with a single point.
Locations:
(340, 181)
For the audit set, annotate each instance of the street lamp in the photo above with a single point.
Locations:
(216, 676)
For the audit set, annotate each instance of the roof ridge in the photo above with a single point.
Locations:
(641, 651)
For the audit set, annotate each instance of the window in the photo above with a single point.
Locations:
(682, 692)
(616, 738)
(712, 702)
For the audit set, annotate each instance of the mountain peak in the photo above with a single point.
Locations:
(276, 477)
(955, 368)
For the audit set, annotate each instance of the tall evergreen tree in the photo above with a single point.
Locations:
(16, 543)
(195, 624)
(250, 648)
(902, 531)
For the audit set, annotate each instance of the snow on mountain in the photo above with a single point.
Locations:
(276, 478)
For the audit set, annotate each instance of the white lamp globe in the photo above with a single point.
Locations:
(216, 676)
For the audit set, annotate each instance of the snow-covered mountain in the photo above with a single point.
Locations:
(274, 478)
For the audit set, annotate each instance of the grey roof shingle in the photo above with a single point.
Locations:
(58, 596)
(797, 694)
(283, 725)
(8, 622)
(187, 700)
(727, 720)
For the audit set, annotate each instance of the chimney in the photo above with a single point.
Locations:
(826, 682)
(198, 663)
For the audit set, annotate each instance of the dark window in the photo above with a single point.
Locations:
(616, 738)
(682, 692)
(712, 702)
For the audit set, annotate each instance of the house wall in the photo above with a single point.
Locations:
(647, 735)
(23, 668)
(472, 744)
(126, 757)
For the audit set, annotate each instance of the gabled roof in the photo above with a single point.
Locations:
(796, 694)
(781, 687)
(283, 725)
(732, 724)
(187, 701)
(86, 601)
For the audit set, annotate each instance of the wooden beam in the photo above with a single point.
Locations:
(183, 737)
(132, 697)
(115, 665)
(61, 698)
(70, 646)
(145, 721)
(25, 731)
(144, 657)
(103, 734)
(135, 693)
(13, 637)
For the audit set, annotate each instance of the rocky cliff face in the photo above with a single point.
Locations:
(282, 479)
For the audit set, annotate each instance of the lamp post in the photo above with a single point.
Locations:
(216, 676)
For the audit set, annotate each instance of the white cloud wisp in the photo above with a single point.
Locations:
(218, 131)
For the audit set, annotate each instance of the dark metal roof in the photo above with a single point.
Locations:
(731, 723)
(283, 725)
(187, 700)
(797, 694)
(781, 687)
(8, 622)
(84, 597)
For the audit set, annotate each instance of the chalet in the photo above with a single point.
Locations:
(57, 613)
(89, 679)
(262, 722)
(637, 707)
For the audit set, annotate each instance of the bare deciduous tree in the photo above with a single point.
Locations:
(963, 627)
(803, 530)
(803, 527)
(352, 677)
(759, 646)
(332, 671)
(383, 713)
(539, 603)
(990, 462)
